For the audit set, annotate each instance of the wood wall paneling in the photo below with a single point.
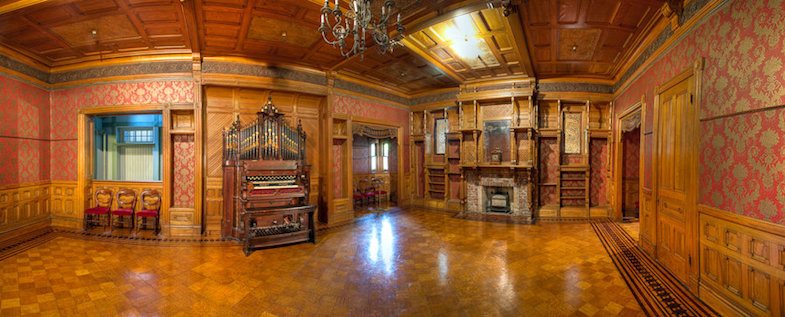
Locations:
(64, 205)
(222, 106)
(24, 208)
(741, 264)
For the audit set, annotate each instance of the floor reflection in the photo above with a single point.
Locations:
(407, 262)
(381, 242)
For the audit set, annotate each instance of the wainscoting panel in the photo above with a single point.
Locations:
(24, 208)
(742, 264)
(64, 206)
(213, 212)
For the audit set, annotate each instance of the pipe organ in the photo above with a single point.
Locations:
(266, 182)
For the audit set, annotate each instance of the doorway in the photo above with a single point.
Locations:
(630, 166)
(374, 168)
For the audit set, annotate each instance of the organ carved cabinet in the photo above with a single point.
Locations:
(266, 182)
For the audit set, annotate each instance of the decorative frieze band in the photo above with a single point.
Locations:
(262, 71)
(121, 70)
(575, 87)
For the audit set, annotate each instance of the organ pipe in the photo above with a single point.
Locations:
(269, 137)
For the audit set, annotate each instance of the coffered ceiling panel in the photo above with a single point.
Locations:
(475, 45)
(401, 70)
(448, 42)
(585, 37)
(61, 32)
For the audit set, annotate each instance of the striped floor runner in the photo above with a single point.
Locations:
(657, 291)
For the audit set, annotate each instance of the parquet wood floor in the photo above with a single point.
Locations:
(410, 262)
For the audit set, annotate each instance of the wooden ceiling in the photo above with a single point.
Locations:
(589, 38)
(59, 32)
(476, 45)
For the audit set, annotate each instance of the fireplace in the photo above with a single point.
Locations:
(498, 191)
(497, 199)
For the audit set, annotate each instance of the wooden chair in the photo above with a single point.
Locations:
(151, 208)
(367, 189)
(358, 196)
(103, 205)
(378, 184)
(126, 203)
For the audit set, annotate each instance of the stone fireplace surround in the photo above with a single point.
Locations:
(477, 180)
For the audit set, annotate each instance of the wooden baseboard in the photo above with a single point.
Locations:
(22, 233)
(718, 303)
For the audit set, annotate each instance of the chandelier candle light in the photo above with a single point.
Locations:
(357, 22)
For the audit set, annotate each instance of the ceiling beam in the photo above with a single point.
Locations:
(515, 24)
(19, 4)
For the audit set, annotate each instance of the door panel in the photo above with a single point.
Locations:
(675, 131)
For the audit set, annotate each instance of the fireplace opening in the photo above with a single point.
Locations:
(497, 199)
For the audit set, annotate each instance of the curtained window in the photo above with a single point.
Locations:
(386, 156)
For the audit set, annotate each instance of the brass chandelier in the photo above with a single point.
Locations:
(337, 26)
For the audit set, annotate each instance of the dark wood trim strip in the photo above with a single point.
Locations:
(723, 116)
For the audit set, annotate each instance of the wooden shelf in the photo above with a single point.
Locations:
(182, 131)
(573, 178)
(441, 191)
(573, 197)
(434, 167)
(549, 184)
(470, 130)
(453, 158)
(510, 166)
(574, 188)
(521, 128)
(340, 137)
(573, 168)
(454, 173)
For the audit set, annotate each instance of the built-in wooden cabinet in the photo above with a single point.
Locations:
(341, 187)
(558, 148)
(441, 176)
(573, 158)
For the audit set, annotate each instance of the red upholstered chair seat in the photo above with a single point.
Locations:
(103, 204)
(381, 192)
(123, 212)
(151, 207)
(147, 213)
(97, 211)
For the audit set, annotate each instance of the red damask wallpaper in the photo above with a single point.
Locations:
(361, 155)
(24, 132)
(183, 193)
(743, 164)
(741, 170)
(549, 160)
(66, 103)
(338, 168)
(598, 161)
(377, 111)
(631, 144)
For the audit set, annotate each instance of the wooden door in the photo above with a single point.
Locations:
(674, 172)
